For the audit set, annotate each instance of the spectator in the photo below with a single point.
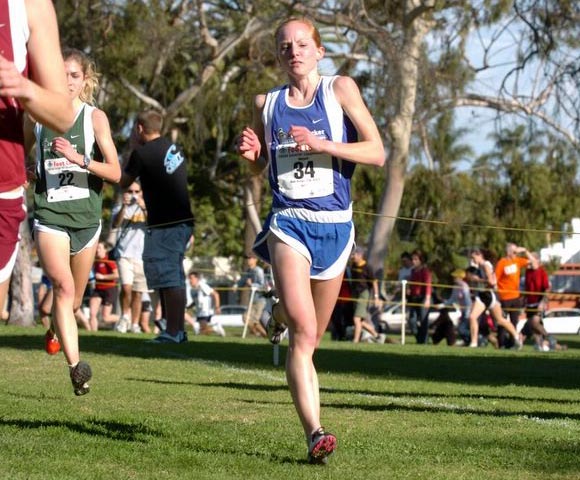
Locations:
(363, 285)
(32, 80)
(146, 310)
(537, 286)
(404, 274)
(67, 218)
(45, 299)
(420, 289)
(105, 293)
(481, 279)
(45, 302)
(162, 169)
(342, 315)
(253, 278)
(461, 297)
(206, 302)
(443, 328)
(310, 171)
(131, 221)
(507, 273)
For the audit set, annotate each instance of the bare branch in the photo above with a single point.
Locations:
(418, 11)
(141, 96)
(515, 107)
(207, 37)
(252, 28)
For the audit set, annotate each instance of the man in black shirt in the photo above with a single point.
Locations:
(162, 169)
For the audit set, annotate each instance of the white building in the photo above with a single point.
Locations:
(568, 250)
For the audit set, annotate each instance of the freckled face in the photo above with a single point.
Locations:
(297, 50)
(75, 77)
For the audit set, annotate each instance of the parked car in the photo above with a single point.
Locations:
(231, 315)
(392, 315)
(562, 320)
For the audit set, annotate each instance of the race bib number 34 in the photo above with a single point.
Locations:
(302, 174)
(65, 180)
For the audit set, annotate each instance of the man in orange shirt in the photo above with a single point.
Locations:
(507, 272)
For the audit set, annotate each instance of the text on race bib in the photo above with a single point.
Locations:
(65, 180)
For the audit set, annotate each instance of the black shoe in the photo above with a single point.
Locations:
(79, 376)
(276, 330)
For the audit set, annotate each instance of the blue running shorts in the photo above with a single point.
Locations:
(327, 246)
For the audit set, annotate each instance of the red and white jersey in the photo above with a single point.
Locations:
(14, 34)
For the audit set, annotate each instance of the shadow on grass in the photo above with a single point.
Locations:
(128, 432)
(220, 451)
(479, 367)
(398, 394)
(416, 407)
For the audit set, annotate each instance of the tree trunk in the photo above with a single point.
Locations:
(400, 136)
(22, 305)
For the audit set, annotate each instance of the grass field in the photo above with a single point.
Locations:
(216, 408)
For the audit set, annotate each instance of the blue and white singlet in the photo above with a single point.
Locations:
(309, 189)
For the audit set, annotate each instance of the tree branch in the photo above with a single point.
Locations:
(141, 96)
(513, 106)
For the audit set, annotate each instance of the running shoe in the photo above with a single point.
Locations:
(217, 328)
(166, 337)
(51, 343)
(321, 445)
(122, 325)
(79, 376)
(276, 330)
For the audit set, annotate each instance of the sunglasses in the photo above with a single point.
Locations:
(133, 191)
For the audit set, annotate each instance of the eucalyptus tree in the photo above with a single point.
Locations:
(435, 206)
(536, 185)
(183, 58)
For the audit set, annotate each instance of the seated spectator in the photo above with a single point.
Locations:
(444, 328)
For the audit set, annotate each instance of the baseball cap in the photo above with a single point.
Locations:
(458, 273)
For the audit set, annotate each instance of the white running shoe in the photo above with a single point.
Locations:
(196, 328)
(217, 328)
(122, 325)
(135, 328)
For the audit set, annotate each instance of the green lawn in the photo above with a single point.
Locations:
(217, 408)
